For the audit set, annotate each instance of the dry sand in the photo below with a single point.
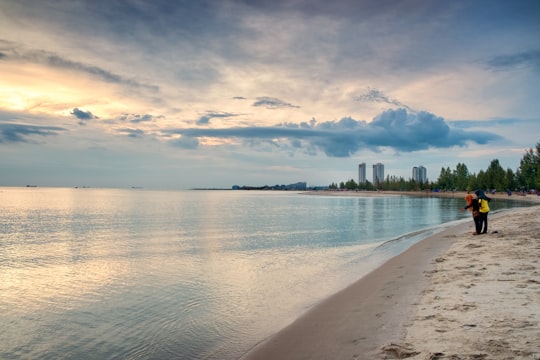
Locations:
(483, 301)
(451, 296)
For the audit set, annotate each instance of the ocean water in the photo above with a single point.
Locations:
(140, 274)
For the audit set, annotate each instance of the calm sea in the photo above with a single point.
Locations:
(139, 274)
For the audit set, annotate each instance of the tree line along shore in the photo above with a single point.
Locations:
(525, 179)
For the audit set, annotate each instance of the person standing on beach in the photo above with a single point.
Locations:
(474, 207)
(468, 198)
(483, 203)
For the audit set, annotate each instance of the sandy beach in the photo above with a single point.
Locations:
(451, 296)
(483, 300)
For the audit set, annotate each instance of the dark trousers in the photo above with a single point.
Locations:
(477, 223)
(483, 223)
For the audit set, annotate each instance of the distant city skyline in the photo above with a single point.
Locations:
(419, 173)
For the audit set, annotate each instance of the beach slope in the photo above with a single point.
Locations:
(483, 299)
(452, 295)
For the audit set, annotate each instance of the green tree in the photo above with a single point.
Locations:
(369, 185)
(509, 180)
(446, 179)
(481, 180)
(529, 169)
(351, 185)
(527, 177)
(473, 182)
(461, 177)
(495, 176)
(402, 184)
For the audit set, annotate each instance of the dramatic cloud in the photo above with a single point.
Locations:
(397, 129)
(12, 52)
(272, 103)
(418, 131)
(10, 133)
(231, 81)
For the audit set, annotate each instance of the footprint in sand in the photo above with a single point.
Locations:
(473, 246)
(398, 351)
(463, 307)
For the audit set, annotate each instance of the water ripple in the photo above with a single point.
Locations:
(119, 274)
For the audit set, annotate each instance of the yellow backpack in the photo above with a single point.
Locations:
(484, 207)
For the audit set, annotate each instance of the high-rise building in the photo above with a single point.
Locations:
(362, 173)
(378, 173)
(423, 174)
(419, 174)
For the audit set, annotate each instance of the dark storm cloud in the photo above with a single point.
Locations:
(405, 131)
(510, 61)
(397, 129)
(273, 103)
(205, 119)
(10, 133)
(12, 51)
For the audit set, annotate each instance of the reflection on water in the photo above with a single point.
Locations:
(100, 273)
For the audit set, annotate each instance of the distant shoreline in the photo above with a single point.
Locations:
(447, 194)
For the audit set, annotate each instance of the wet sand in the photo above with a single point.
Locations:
(450, 296)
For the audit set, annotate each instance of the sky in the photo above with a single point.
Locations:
(188, 94)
